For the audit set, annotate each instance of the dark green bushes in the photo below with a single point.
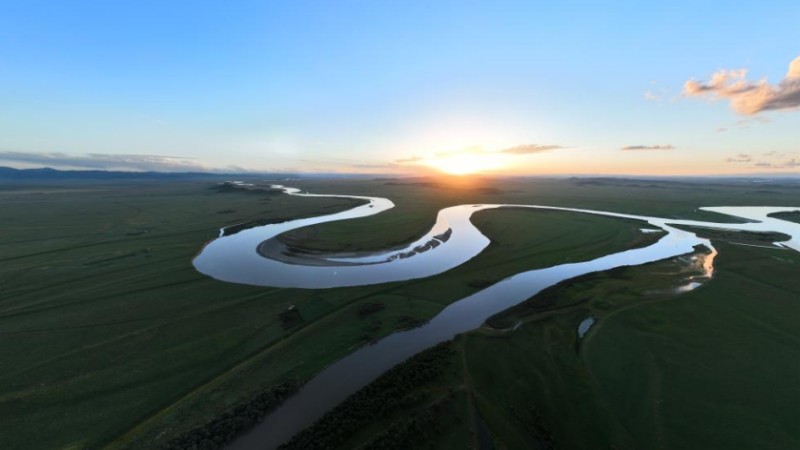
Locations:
(411, 431)
(390, 392)
(367, 309)
(225, 427)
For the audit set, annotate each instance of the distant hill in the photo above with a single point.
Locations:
(9, 173)
(47, 173)
(50, 174)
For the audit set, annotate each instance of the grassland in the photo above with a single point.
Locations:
(714, 368)
(790, 216)
(111, 339)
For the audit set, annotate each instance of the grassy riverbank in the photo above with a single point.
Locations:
(418, 200)
(714, 368)
(790, 216)
(110, 338)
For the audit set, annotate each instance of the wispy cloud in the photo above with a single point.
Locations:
(749, 97)
(790, 164)
(518, 150)
(651, 96)
(657, 94)
(101, 161)
(648, 147)
(382, 166)
(412, 159)
(778, 160)
(528, 149)
(524, 149)
(740, 158)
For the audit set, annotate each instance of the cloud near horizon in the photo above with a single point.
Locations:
(778, 160)
(790, 164)
(518, 150)
(648, 147)
(529, 149)
(740, 158)
(748, 97)
(412, 159)
(101, 161)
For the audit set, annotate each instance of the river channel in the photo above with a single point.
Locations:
(452, 241)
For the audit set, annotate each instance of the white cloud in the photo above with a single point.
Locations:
(528, 149)
(740, 158)
(748, 97)
(650, 96)
(777, 160)
(648, 147)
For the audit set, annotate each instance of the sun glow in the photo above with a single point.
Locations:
(465, 164)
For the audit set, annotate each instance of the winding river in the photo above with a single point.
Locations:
(453, 240)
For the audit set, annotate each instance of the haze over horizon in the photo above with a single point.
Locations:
(407, 88)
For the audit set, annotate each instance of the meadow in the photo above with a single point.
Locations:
(707, 369)
(110, 338)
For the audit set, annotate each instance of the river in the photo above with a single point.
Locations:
(235, 258)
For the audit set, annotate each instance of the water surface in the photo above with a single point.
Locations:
(235, 258)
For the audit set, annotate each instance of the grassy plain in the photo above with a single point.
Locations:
(790, 216)
(110, 339)
(714, 368)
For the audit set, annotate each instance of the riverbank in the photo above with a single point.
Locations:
(131, 352)
(541, 385)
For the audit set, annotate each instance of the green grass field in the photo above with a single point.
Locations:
(111, 339)
(715, 368)
(790, 216)
(718, 362)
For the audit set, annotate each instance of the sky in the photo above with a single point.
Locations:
(508, 87)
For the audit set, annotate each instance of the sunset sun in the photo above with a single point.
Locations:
(466, 164)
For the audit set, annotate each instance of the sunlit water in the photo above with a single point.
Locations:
(234, 259)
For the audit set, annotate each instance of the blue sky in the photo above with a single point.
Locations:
(355, 86)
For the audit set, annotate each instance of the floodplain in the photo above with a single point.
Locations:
(111, 339)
